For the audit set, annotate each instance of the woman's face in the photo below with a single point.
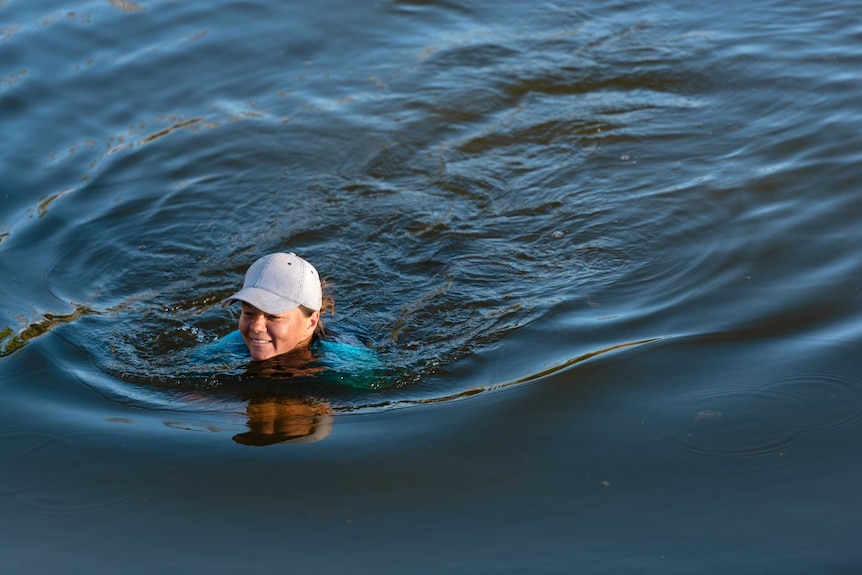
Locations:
(268, 335)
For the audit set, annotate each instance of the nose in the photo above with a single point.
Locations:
(258, 323)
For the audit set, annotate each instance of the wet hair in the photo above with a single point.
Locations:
(327, 306)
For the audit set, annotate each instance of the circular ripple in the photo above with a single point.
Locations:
(47, 478)
(22, 447)
(762, 419)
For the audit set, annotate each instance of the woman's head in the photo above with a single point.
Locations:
(281, 300)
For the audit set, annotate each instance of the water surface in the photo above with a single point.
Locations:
(606, 252)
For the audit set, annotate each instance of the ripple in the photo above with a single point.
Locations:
(46, 479)
(22, 446)
(737, 421)
(394, 402)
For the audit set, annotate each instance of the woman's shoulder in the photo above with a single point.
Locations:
(347, 358)
(343, 357)
(342, 350)
(228, 348)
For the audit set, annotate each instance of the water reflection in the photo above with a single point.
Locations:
(126, 5)
(274, 420)
(12, 340)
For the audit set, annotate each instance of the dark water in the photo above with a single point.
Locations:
(607, 251)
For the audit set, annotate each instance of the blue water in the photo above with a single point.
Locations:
(606, 252)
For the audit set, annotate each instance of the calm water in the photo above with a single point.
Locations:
(606, 251)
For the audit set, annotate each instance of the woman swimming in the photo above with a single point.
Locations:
(282, 299)
(280, 325)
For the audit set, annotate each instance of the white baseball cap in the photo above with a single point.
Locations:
(279, 282)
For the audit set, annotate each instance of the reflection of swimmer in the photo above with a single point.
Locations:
(281, 304)
(285, 420)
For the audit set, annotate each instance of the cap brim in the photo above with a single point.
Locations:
(264, 300)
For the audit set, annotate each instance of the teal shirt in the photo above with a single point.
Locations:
(345, 363)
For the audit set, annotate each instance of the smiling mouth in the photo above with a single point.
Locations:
(260, 341)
